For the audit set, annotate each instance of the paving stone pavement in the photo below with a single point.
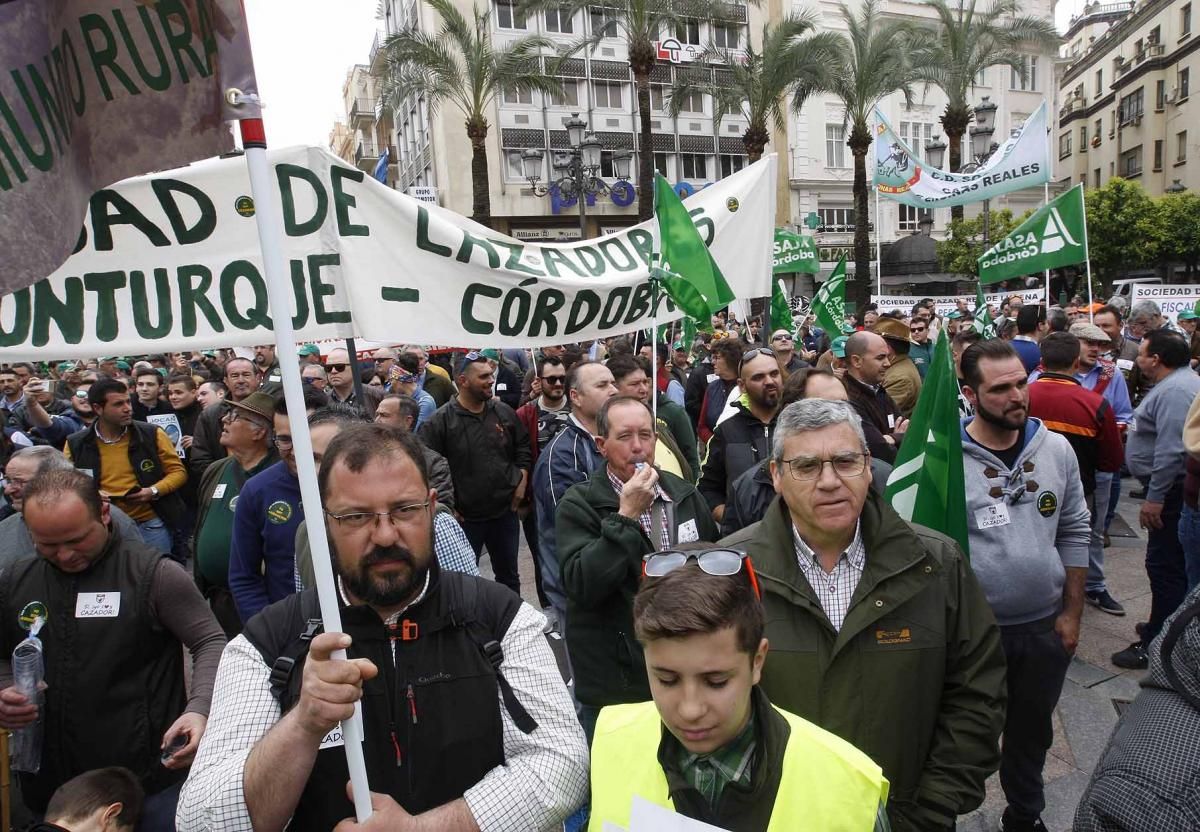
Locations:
(1086, 714)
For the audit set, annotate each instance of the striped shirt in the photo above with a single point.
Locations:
(834, 589)
(646, 518)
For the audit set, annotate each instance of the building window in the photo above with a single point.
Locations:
(1096, 178)
(1131, 106)
(726, 35)
(1097, 129)
(518, 96)
(604, 21)
(839, 220)
(559, 20)
(509, 17)
(692, 103)
(514, 170)
(916, 134)
(1099, 82)
(1185, 20)
(1158, 154)
(1185, 76)
(981, 78)
(688, 31)
(569, 97)
(1154, 37)
(1030, 82)
(911, 216)
(1064, 145)
(835, 145)
(694, 166)
(1131, 162)
(658, 97)
(1160, 95)
(608, 95)
(1181, 146)
(1083, 138)
(662, 164)
(731, 163)
(606, 164)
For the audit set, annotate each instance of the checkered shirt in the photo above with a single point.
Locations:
(834, 589)
(646, 519)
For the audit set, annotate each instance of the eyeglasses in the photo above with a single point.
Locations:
(845, 465)
(336, 368)
(718, 562)
(17, 481)
(553, 379)
(230, 414)
(782, 338)
(750, 355)
(282, 441)
(398, 516)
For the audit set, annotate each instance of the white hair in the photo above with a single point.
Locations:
(814, 414)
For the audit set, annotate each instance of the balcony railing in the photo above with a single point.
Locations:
(366, 151)
(362, 108)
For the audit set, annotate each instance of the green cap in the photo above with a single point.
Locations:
(490, 355)
(678, 345)
(122, 365)
(64, 366)
(848, 329)
(838, 346)
(953, 315)
(1187, 315)
(308, 349)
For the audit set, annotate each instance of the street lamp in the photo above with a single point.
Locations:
(935, 152)
(576, 171)
(1175, 187)
(982, 147)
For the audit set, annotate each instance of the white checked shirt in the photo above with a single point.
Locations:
(834, 589)
(646, 518)
(543, 780)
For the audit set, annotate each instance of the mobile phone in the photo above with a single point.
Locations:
(132, 491)
(176, 744)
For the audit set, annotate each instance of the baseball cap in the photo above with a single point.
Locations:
(308, 349)
(1187, 315)
(122, 365)
(678, 345)
(838, 346)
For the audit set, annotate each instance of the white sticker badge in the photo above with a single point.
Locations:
(688, 533)
(989, 517)
(97, 604)
(219, 491)
(334, 739)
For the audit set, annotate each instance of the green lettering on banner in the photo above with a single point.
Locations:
(643, 243)
(256, 315)
(609, 318)
(165, 190)
(301, 316)
(180, 42)
(639, 304)
(343, 201)
(469, 244)
(162, 79)
(285, 174)
(521, 299)
(194, 296)
(470, 323)
(125, 214)
(514, 259)
(584, 309)
(141, 304)
(65, 312)
(43, 159)
(627, 262)
(52, 106)
(591, 260)
(706, 227)
(555, 258)
(423, 241)
(60, 53)
(105, 285)
(105, 56)
(22, 319)
(322, 290)
(6, 149)
(545, 310)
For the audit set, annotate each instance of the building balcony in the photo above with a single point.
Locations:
(376, 53)
(366, 155)
(362, 110)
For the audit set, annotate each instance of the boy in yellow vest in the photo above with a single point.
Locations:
(711, 746)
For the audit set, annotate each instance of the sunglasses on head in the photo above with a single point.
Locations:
(718, 562)
(750, 355)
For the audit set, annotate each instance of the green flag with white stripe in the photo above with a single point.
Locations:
(926, 485)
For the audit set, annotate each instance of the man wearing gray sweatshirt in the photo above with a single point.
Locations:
(1155, 455)
(1028, 529)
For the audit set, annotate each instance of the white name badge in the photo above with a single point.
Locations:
(219, 491)
(275, 378)
(334, 739)
(1125, 364)
(712, 377)
(97, 604)
(989, 517)
(501, 386)
(891, 420)
(688, 533)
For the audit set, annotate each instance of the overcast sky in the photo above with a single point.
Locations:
(302, 51)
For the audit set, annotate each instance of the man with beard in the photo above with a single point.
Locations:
(1028, 530)
(270, 380)
(467, 722)
(744, 439)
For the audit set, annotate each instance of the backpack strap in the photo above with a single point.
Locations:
(284, 665)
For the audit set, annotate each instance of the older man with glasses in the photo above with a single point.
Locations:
(851, 591)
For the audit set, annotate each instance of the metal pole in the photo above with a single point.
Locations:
(357, 376)
(1045, 202)
(579, 182)
(1088, 254)
(987, 216)
(269, 220)
(878, 247)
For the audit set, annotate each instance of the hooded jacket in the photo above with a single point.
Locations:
(738, 444)
(1148, 778)
(915, 677)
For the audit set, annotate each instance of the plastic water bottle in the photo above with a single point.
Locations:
(29, 673)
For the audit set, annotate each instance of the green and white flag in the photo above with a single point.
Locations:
(795, 253)
(926, 485)
(983, 321)
(1056, 235)
(689, 276)
(829, 304)
(781, 312)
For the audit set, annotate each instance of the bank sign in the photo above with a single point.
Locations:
(171, 262)
(622, 193)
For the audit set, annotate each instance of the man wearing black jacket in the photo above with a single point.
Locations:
(866, 361)
(489, 453)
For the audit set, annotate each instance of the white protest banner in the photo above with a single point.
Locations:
(1021, 161)
(171, 262)
(169, 422)
(944, 304)
(1171, 299)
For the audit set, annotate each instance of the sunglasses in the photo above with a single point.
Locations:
(717, 562)
(750, 355)
(553, 379)
(336, 368)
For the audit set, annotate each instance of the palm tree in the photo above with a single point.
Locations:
(638, 23)
(967, 41)
(872, 64)
(459, 63)
(791, 60)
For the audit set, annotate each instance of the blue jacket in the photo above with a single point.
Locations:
(569, 458)
(262, 557)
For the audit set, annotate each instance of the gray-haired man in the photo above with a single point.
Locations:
(851, 592)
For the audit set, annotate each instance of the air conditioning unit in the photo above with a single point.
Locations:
(1136, 120)
(1171, 96)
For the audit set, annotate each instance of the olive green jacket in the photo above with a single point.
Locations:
(915, 677)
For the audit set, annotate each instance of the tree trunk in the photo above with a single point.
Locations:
(642, 57)
(481, 197)
(955, 121)
(860, 142)
(755, 141)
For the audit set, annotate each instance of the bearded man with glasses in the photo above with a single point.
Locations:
(879, 632)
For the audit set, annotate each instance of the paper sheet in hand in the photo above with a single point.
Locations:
(650, 817)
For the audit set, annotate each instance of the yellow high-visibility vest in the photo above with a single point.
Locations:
(827, 785)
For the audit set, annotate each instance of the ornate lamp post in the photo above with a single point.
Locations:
(982, 147)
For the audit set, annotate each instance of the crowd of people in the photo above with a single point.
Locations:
(721, 590)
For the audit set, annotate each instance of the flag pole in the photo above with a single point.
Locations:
(1045, 202)
(878, 246)
(1087, 253)
(270, 237)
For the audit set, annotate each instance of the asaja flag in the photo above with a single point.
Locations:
(926, 485)
(781, 311)
(689, 274)
(983, 320)
(92, 93)
(1056, 235)
(794, 253)
(829, 304)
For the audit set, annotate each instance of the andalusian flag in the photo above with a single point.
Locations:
(781, 312)
(829, 304)
(688, 272)
(983, 321)
(926, 485)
